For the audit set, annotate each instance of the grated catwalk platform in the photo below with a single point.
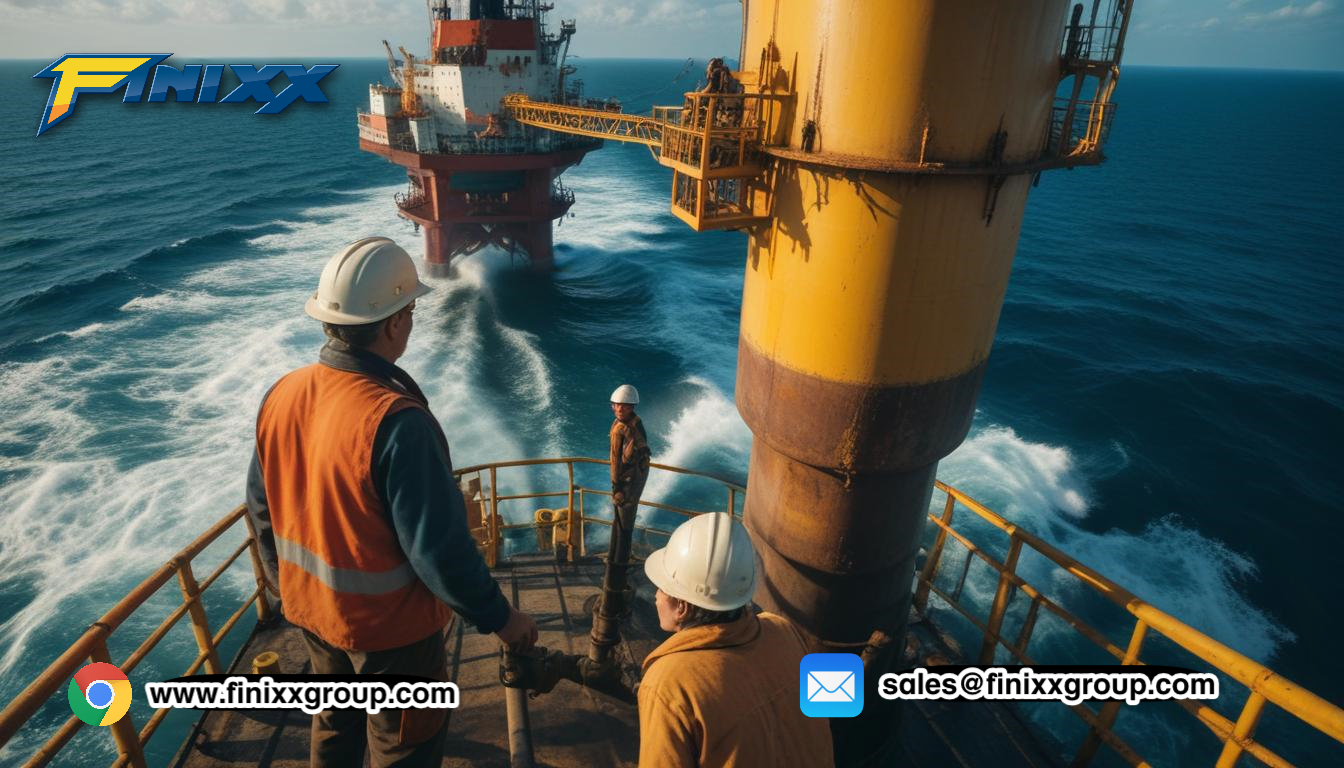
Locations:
(571, 726)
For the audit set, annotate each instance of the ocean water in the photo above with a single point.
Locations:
(1163, 400)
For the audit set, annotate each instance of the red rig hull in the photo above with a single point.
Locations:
(475, 177)
(464, 203)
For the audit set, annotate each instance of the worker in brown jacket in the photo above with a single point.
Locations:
(629, 454)
(724, 689)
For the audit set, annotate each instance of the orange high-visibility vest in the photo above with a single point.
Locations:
(343, 574)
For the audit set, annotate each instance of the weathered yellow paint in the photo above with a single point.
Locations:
(889, 279)
(876, 73)
(880, 278)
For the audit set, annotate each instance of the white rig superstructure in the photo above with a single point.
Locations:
(476, 177)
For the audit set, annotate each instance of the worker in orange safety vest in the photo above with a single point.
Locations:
(352, 495)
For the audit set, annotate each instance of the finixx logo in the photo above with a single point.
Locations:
(77, 73)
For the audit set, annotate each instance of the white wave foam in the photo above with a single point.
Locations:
(1029, 476)
(1167, 563)
(78, 333)
(177, 302)
(538, 384)
(708, 424)
(612, 208)
(88, 513)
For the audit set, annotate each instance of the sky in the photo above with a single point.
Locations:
(1278, 34)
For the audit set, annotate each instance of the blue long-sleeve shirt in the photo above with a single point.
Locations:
(413, 475)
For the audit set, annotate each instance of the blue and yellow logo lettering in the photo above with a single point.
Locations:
(77, 73)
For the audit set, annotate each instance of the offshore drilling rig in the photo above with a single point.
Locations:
(879, 156)
(474, 177)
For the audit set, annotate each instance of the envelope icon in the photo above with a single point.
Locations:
(831, 685)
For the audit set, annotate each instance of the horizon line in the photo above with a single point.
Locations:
(1232, 67)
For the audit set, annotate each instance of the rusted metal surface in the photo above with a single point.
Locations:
(852, 427)
(832, 160)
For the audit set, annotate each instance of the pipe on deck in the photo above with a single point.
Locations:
(520, 728)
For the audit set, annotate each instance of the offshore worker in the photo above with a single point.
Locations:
(629, 449)
(629, 472)
(352, 495)
(723, 690)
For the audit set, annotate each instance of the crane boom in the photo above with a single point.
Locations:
(393, 66)
(410, 100)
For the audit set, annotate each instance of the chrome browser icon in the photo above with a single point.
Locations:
(830, 685)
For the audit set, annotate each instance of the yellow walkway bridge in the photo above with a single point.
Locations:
(712, 144)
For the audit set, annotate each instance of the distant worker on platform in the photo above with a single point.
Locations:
(352, 494)
(719, 79)
(629, 454)
(723, 690)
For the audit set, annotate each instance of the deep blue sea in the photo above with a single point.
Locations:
(1163, 401)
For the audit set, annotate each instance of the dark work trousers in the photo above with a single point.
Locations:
(624, 525)
(340, 736)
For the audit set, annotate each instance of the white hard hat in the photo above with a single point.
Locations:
(708, 562)
(625, 394)
(367, 281)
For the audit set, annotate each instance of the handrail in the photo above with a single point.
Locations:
(1264, 684)
(574, 517)
(587, 460)
(584, 121)
(92, 645)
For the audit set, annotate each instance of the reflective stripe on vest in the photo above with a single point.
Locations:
(343, 574)
(346, 580)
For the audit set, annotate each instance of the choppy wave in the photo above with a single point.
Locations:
(1165, 562)
(1184, 344)
(131, 435)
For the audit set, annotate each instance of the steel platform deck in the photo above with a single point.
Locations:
(572, 726)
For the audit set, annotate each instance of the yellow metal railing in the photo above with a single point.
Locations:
(585, 121)
(92, 646)
(1264, 685)
(567, 527)
(488, 526)
(712, 143)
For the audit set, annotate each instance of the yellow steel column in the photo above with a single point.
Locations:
(870, 302)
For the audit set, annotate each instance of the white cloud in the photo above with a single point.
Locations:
(319, 12)
(1289, 12)
(677, 13)
(1209, 23)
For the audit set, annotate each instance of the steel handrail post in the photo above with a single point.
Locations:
(1105, 720)
(263, 599)
(935, 555)
(573, 526)
(124, 732)
(1001, 597)
(200, 625)
(492, 554)
(583, 518)
(1242, 731)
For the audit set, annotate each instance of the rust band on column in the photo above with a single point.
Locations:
(850, 426)
(870, 301)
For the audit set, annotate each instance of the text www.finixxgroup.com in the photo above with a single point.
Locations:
(310, 696)
(1025, 684)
